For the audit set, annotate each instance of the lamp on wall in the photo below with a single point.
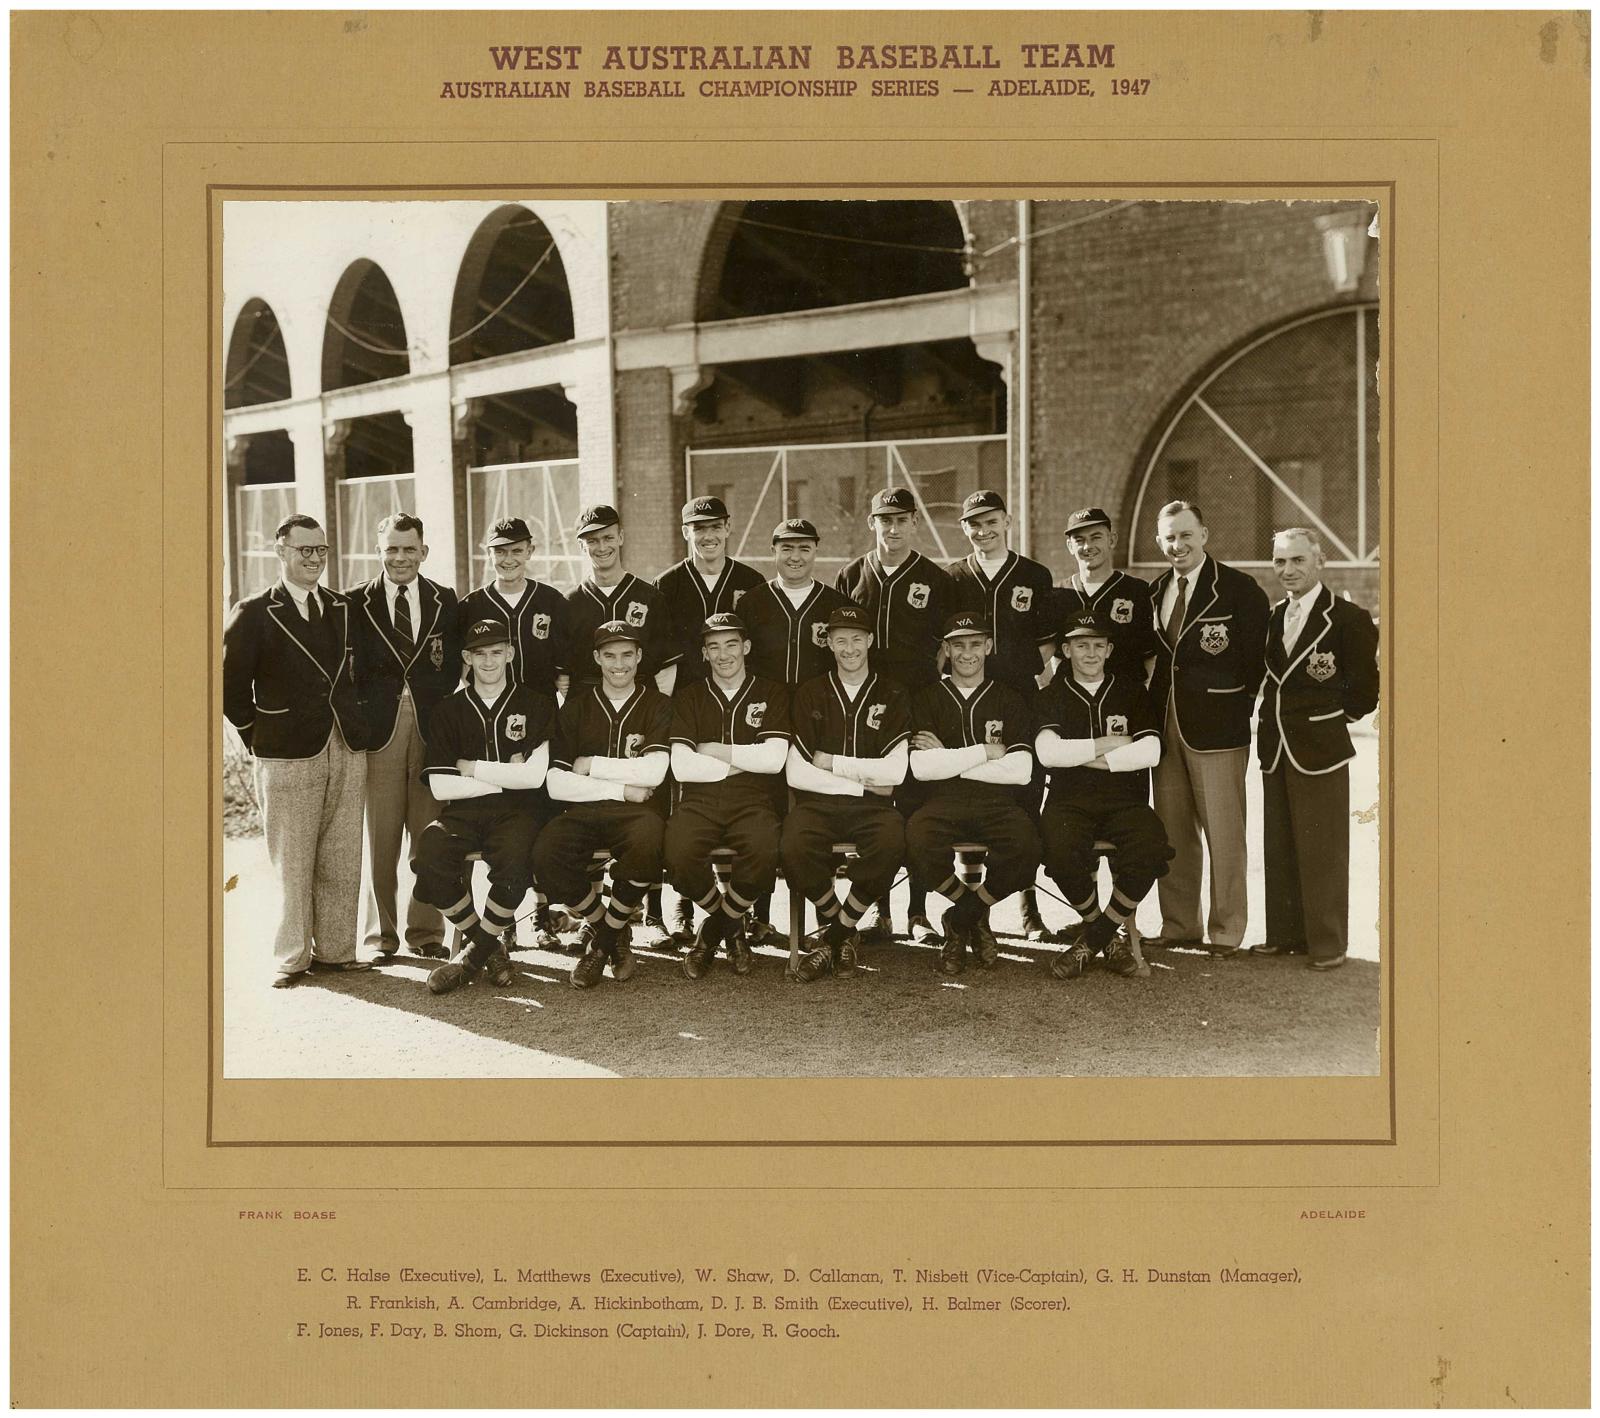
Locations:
(1344, 247)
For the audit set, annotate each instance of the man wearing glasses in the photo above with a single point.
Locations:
(288, 688)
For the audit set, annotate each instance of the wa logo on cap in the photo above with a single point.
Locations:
(485, 627)
(703, 504)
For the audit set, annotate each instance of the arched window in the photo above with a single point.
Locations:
(365, 337)
(257, 369)
(511, 291)
(1283, 431)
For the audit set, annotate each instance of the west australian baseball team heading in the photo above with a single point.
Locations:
(969, 724)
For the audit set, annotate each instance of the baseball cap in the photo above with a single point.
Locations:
(486, 632)
(508, 530)
(721, 621)
(965, 623)
(794, 529)
(616, 630)
(1086, 622)
(1086, 517)
(984, 500)
(892, 499)
(597, 519)
(704, 509)
(849, 618)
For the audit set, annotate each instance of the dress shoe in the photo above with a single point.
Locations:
(1330, 962)
(339, 967)
(1268, 948)
(288, 982)
(1222, 952)
(1163, 942)
(386, 948)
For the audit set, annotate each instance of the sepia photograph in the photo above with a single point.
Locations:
(827, 638)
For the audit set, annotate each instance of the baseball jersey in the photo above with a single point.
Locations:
(993, 713)
(1124, 600)
(587, 726)
(909, 605)
(463, 726)
(1019, 604)
(825, 719)
(536, 624)
(787, 643)
(758, 711)
(686, 602)
(1120, 707)
(588, 607)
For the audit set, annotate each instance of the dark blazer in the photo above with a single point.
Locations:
(1309, 699)
(281, 690)
(1212, 672)
(430, 664)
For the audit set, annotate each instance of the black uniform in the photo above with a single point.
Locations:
(826, 720)
(959, 809)
(685, 603)
(1089, 804)
(1018, 603)
(588, 607)
(1124, 601)
(587, 726)
(739, 811)
(502, 826)
(788, 644)
(537, 623)
(909, 605)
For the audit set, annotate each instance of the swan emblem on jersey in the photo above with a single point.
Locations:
(917, 595)
(1320, 666)
(516, 727)
(755, 713)
(541, 626)
(1122, 611)
(819, 634)
(1214, 638)
(1116, 723)
(436, 651)
(631, 745)
(1021, 597)
(636, 613)
(993, 729)
(875, 716)
(737, 596)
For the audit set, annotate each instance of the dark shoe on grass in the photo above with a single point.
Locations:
(497, 968)
(1071, 963)
(452, 975)
(953, 954)
(984, 945)
(1120, 960)
(587, 972)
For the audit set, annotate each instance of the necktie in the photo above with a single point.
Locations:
(314, 613)
(402, 615)
(1291, 626)
(1180, 604)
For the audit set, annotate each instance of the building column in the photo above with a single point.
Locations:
(303, 424)
(433, 462)
(463, 453)
(233, 475)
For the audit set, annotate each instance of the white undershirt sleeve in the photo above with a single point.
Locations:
(886, 772)
(933, 765)
(1057, 752)
(648, 770)
(1013, 770)
(452, 787)
(568, 787)
(806, 777)
(768, 756)
(528, 774)
(1143, 752)
(689, 765)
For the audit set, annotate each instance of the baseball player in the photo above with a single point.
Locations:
(1016, 597)
(705, 582)
(288, 687)
(908, 599)
(973, 745)
(730, 741)
(1322, 675)
(850, 751)
(407, 661)
(488, 754)
(533, 610)
(1096, 584)
(1211, 628)
(1099, 738)
(608, 757)
(610, 593)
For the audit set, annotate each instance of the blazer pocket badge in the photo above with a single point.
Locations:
(516, 727)
(1117, 724)
(636, 613)
(1021, 597)
(917, 596)
(1320, 666)
(1213, 638)
(1122, 611)
(436, 651)
(541, 626)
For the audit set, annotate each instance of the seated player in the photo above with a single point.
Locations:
(488, 750)
(730, 740)
(608, 757)
(849, 753)
(972, 746)
(1099, 738)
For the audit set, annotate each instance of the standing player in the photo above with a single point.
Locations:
(406, 662)
(288, 687)
(488, 752)
(705, 582)
(973, 746)
(1098, 736)
(1322, 675)
(608, 758)
(1123, 600)
(851, 728)
(533, 610)
(1016, 597)
(1211, 623)
(610, 593)
(907, 599)
(730, 740)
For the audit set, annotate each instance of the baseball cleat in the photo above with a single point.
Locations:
(1120, 960)
(739, 952)
(452, 975)
(848, 961)
(587, 972)
(984, 945)
(497, 968)
(1071, 963)
(697, 959)
(953, 954)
